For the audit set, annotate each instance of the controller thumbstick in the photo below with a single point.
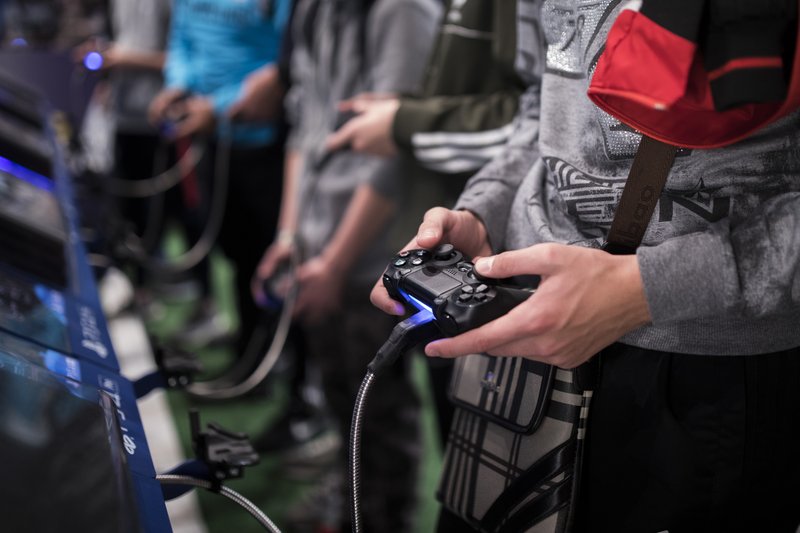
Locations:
(444, 252)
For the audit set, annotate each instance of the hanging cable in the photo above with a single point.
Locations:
(160, 183)
(250, 507)
(220, 388)
(202, 248)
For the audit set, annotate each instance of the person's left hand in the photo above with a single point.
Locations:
(587, 299)
(199, 117)
(319, 290)
(370, 131)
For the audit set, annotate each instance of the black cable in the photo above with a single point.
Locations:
(202, 248)
(220, 388)
(159, 183)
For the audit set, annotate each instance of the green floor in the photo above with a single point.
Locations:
(267, 484)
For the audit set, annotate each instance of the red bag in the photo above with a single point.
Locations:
(656, 81)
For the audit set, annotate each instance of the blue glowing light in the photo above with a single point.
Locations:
(37, 180)
(416, 302)
(19, 41)
(93, 61)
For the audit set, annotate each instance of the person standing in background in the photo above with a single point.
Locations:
(462, 117)
(214, 46)
(337, 209)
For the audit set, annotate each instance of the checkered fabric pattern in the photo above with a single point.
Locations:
(514, 446)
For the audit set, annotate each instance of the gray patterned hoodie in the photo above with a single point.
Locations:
(720, 260)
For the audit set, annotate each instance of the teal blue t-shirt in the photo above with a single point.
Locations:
(215, 44)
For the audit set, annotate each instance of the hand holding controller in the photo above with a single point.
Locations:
(444, 281)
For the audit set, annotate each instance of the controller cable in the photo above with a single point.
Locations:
(419, 328)
(250, 507)
(202, 248)
(161, 182)
(220, 388)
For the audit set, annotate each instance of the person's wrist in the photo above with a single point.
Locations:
(630, 277)
(285, 237)
(335, 263)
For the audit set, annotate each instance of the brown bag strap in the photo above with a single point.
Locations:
(646, 180)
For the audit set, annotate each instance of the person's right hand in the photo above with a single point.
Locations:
(159, 107)
(462, 229)
(278, 252)
(261, 97)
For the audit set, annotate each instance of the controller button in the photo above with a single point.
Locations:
(467, 289)
(482, 288)
(464, 268)
(404, 253)
(464, 297)
(400, 262)
(417, 261)
(481, 296)
(421, 253)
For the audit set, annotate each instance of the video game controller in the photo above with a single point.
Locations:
(444, 282)
(276, 288)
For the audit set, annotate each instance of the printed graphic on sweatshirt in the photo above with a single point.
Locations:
(571, 29)
(592, 200)
(589, 199)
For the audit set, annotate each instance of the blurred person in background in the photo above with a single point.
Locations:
(460, 119)
(337, 209)
(54, 24)
(214, 45)
(133, 57)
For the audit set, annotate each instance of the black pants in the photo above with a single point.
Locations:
(255, 183)
(687, 443)
(693, 443)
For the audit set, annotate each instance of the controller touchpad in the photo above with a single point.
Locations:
(432, 285)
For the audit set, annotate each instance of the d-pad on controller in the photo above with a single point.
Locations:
(444, 282)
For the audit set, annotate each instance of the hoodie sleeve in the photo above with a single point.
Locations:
(399, 34)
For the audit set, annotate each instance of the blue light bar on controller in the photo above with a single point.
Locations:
(23, 173)
(422, 316)
(93, 61)
(416, 302)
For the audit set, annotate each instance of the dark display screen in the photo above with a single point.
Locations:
(63, 466)
(33, 311)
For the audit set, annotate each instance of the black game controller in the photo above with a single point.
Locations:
(277, 287)
(444, 282)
